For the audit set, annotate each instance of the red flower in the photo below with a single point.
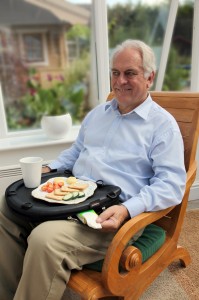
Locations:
(32, 92)
(49, 77)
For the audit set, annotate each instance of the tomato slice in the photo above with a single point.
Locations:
(56, 186)
(50, 189)
(44, 188)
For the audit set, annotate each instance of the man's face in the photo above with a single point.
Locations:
(127, 80)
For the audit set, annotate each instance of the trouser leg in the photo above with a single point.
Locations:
(13, 235)
(54, 248)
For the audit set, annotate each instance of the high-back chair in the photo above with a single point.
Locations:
(125, 272)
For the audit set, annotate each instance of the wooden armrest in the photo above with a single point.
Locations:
(130, 257)
(191, 174)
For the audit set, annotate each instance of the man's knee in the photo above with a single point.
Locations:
(39, 237)
(44, 237)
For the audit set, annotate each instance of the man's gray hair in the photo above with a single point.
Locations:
(147, 54)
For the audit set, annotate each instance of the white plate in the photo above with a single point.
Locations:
(89, 191)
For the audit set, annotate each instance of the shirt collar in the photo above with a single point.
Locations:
(142, 110)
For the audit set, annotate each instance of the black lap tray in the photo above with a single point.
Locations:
(20, 200)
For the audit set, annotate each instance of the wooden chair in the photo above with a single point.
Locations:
(137, 276)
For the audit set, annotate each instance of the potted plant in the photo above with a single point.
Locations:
(51, 105)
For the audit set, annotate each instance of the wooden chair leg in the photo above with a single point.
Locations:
(184, 256)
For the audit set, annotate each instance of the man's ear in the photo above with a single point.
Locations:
(150, 79)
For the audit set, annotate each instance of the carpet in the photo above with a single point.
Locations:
(176, 282)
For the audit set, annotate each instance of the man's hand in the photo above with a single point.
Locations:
(113, 217)
(46, 169)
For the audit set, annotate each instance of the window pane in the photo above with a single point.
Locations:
(177, 76)
(142, 20)
(126, 21)
(45, 61)
(135, 19)
(33, 47)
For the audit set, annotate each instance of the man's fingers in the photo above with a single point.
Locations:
(105, 215)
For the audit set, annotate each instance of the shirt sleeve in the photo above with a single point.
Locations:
(167, 186)
(68, 157)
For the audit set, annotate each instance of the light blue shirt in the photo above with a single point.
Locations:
(141, 151)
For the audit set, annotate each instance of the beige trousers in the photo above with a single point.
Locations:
(36, 261)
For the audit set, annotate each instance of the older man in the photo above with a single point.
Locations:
(129, 141)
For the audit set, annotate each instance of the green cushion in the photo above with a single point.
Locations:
(150, 241)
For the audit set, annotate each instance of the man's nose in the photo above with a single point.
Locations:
(122, 79)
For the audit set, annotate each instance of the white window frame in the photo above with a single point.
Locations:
(3, 123)
(101, 48)
(74, 54)
(195, 51)
(42, 32)
(166, 44)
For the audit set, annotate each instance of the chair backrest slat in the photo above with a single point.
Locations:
(185, 109)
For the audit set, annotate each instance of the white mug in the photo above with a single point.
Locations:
(31, 168)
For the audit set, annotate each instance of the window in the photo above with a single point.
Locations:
(58, 50)
(142, 20)
(73, 50)
(46, 58)
(33, 47)
(153, 22)
(178, 70)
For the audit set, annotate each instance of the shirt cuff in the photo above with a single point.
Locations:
(135, 206)
(55, 165)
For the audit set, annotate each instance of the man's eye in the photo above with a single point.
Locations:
(115, 73)
(130, 74)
